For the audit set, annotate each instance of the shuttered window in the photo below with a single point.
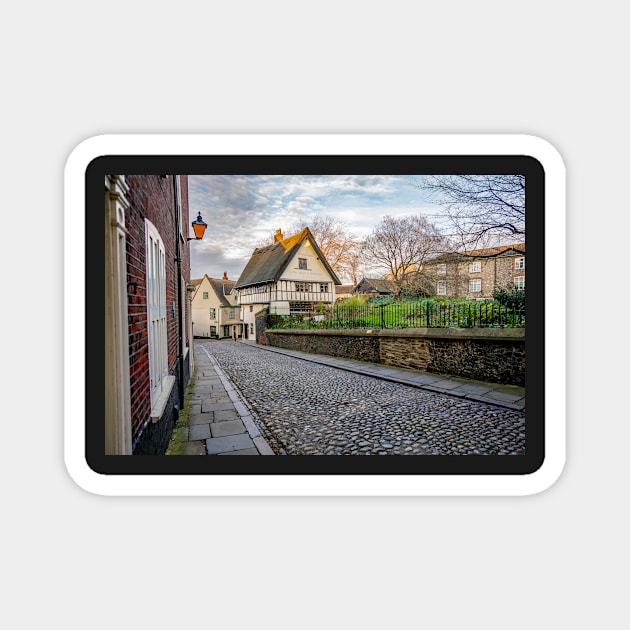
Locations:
(156, 307)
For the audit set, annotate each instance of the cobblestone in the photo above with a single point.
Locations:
(312, 409)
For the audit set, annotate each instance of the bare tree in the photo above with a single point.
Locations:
(480, 207)
(400, 246)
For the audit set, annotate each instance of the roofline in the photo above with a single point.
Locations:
(307, 235)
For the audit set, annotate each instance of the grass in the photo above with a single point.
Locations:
(179, 438)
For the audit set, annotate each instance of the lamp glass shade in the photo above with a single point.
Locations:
(199, 226)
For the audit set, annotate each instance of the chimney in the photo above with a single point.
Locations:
(225, 275)
(278, 236)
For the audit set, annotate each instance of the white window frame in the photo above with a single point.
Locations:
(156, 318)
(302, 263)
(473, 284)
(212, 312)
(519, 283)
(441, 269)
(474, 267)
(441, 287)
(519, 263)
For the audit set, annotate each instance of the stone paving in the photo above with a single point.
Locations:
(218, 421)
(308, 408)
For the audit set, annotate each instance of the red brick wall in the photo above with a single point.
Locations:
(151, 197)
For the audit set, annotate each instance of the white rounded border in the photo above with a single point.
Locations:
(315, 485)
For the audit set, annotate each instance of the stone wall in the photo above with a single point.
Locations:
(493, 354)
(351, 346)
(260, 324)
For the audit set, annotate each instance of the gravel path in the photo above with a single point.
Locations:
(310, 409)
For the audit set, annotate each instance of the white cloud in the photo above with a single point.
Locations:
(241, 210)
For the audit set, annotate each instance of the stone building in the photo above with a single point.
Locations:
(476, 274)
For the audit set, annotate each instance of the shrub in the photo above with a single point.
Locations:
(510, 297)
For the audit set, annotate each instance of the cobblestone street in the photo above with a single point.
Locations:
(304, 408)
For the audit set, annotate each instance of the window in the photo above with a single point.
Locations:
(205, 295)
(302, 263)
(260, 288)
(213, 331)
(231, 313)
(303, 287)
(474, 267)
(519, 283)
(156, 303)
(519, 263)
(323, 288)
(441, 269)
(251, 309)
(213, 313)
(300, 307)
(226, 331)
(251, 329)
(441, 287)
(474, 286)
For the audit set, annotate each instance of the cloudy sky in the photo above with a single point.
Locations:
(242, 210)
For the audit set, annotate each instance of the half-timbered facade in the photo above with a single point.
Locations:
(292, 276)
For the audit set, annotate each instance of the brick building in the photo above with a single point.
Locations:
(147, 338)
(476, 274)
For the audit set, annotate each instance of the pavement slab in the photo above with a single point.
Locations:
(215, 446)
(199, 432)
(245, 451)
(229, 427)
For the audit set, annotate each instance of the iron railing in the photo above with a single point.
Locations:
(428, 314)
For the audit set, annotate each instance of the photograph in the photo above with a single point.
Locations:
(338, 306)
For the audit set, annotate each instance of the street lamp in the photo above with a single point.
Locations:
(199, 226)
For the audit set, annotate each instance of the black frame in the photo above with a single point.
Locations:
(525, 464)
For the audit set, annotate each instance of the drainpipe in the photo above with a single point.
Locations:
(178, 259)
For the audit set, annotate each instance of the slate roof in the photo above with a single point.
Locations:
(344, 289)
(375, 285)
(487, 252)
(268, 263)
(221, 286)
